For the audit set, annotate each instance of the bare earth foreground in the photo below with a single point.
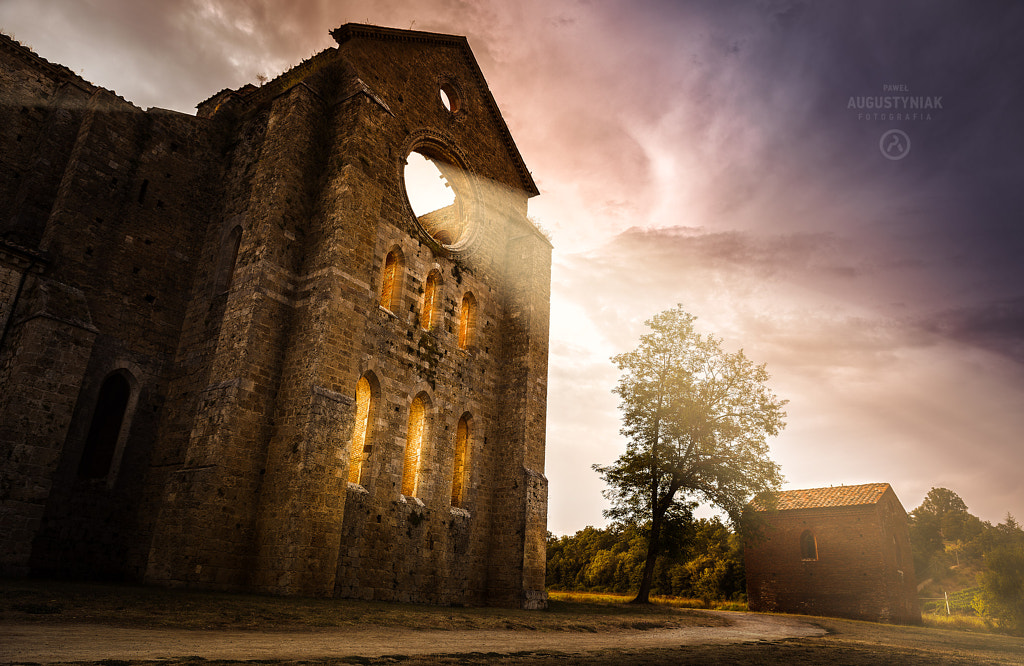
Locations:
(67, 643)
(117, 628)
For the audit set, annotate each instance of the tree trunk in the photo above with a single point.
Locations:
(653, 546)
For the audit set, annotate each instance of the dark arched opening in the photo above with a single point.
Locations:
(808, 546)
(107, 419)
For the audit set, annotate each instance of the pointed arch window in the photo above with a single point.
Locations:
(808, 546)
(467, 321)
(391, 281)
(362, 443)
(414, 446)
(431, 289)
(463, 433)
(105, 430)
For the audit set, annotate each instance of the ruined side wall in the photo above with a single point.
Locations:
(41, 366)
(235, 345)
(41, 107)
(112, 198)
(855, 574)
(132, 202)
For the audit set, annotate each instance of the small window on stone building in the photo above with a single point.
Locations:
(226, 262)
(362, 444)
(428, 314)
(391, 282)
(808, 546)
(105, 428)
(467, 321)
(414, 446)
(462, 443)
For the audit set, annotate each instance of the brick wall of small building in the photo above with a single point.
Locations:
(863, 568)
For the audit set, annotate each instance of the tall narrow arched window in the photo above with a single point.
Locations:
(227, 260)
(391, 281)
(808, 546)
(414, 446)
(462, 443)
(105, 428)
(362, 443)
(428, 314)
(467, 321)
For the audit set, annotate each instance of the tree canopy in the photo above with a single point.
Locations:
(696, 421)
(705, 561)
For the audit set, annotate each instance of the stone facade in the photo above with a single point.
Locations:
(222, 359)
(842, 551)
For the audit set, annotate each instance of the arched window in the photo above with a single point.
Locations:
(428, 314)
(414, 446)
(106, 426)
(467, 321)
(226, 261)
(391, 282)
(808, 546)
(362, 444)
(462, 442)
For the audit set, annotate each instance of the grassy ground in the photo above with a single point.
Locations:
(958, 622)
(673, 602)
(44, 601)
(848, 643)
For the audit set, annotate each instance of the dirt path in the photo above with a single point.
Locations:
(84, 642)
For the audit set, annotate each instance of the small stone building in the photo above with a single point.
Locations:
(841, 551)
(236, 353)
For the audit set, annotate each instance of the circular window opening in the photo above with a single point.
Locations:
(450, 99)
(435, 188)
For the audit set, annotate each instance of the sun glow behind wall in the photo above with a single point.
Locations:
(425, 186)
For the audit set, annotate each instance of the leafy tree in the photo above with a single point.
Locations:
(696, 420)
(1002, 586)
(941, 530)
(948, 514)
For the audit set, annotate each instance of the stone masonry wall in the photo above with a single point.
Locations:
(243, 366)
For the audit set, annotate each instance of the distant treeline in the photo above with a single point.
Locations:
(703, 560)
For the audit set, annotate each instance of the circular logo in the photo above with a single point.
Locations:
(894, 144)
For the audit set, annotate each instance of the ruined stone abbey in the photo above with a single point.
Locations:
(234, 354)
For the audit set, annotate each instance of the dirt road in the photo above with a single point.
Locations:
(84, 642)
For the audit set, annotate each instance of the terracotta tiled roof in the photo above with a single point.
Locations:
(814, 498)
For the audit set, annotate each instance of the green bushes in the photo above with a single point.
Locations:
(704, 561)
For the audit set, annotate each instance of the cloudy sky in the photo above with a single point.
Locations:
(722, 155)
